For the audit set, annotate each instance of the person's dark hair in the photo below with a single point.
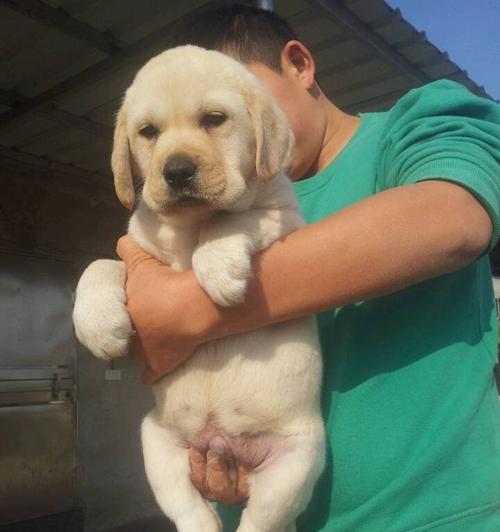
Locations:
(247, 33)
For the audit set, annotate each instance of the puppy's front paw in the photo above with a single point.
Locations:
(223, 270)
(101, 320)
(105, 332)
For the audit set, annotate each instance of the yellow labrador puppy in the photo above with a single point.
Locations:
(211, 146)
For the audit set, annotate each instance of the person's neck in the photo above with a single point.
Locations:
(340, 128)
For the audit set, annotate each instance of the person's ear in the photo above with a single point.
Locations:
(297, 59)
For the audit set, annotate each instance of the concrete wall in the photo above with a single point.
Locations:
(113, 486)
(38, 217)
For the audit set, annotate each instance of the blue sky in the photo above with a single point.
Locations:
(469, 30)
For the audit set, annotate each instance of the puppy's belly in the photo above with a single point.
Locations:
(252, 450)
(242, 396)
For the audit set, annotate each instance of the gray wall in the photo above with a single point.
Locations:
(113, 485)
(40, 218)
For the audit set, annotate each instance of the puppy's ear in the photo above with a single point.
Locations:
(273, 136)
(121, 162)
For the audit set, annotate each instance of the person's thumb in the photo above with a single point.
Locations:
(131, 253)
(219, 479)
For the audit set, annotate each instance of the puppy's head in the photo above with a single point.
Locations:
(200, 131)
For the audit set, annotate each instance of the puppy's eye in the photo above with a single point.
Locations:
(213, 119)
(149, 132)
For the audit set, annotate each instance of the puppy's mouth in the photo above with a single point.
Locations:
(183, 202)
(188, 201)
(194, 197)
(186, 198)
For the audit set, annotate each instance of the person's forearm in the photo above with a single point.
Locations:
(375, 247)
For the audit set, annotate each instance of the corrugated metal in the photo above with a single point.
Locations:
(36, 57)
(127, 20)
(19, 131)
(289, 8)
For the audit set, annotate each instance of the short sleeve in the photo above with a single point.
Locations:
(442, 131)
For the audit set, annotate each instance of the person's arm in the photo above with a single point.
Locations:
(378, 246)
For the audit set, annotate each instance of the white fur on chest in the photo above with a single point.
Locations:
(170, 240)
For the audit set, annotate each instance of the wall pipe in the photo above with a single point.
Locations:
(265, 4)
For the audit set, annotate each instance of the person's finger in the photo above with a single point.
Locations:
(126, 247)
(130, 252)
(218, 479)
(198, 463)
(242, 486)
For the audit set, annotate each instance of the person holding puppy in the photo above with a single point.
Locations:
(402, 208)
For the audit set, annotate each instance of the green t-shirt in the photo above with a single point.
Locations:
(409, 398)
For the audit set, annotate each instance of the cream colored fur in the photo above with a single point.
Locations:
(260, 383)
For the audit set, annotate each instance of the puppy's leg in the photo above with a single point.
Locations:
(222, 260)
(101, 320)
(280, 492)
(168, 472)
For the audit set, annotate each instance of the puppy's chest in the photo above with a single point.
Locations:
(175, 247)
(171, 244)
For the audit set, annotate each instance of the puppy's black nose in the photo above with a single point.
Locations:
(179, 172)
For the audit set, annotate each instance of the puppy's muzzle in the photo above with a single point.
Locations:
(179, 173)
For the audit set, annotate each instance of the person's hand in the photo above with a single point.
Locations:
(217, 479)
(161, 307)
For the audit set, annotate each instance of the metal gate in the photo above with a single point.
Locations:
(37, 409)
